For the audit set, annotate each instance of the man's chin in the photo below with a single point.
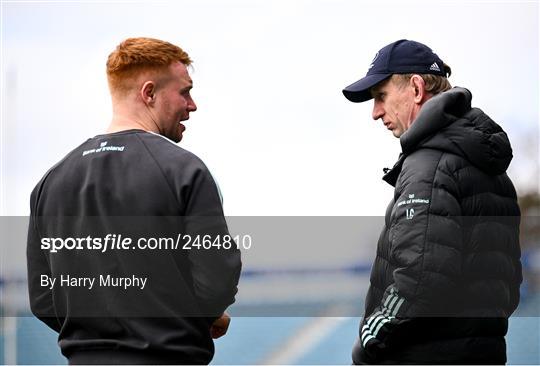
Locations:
(178, 137)
(180, 133)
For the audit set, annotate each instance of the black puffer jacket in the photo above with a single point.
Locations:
(447, 272)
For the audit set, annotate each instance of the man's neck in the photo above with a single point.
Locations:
(129, 114)
(124, 122)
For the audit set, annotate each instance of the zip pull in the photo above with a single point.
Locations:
(386, 170)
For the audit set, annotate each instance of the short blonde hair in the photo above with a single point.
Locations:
(136, 55)
(434, 84)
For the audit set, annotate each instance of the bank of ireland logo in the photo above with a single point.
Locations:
(102, 148)
(373, 61)
(412, 199)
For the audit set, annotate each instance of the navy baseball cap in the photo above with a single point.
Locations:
(400, 57)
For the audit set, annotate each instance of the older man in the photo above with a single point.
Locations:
(447, 272)
(96, 272)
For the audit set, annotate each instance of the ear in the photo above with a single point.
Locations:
(147, 92)
(419, 86)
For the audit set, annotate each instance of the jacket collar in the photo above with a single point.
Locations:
(437, 113)
(391, 175)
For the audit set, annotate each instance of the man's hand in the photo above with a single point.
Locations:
(220, 326)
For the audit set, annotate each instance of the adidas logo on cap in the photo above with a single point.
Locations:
(434, 67)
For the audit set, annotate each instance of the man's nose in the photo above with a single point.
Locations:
(378, 111)
(192, 106)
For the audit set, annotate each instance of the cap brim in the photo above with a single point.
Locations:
(359, 91)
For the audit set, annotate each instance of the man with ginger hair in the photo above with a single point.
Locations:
(447, 271)
(111, 300)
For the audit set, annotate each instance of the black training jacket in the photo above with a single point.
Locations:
(131, 184)
(447, 272)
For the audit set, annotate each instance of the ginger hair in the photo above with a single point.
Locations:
(134, 56)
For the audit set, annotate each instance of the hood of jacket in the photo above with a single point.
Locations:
(447, 122)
